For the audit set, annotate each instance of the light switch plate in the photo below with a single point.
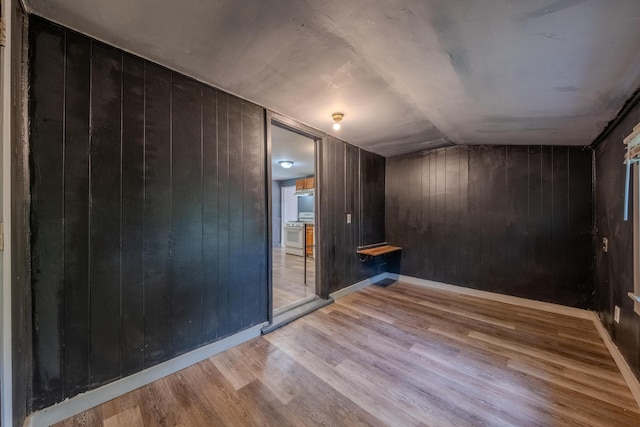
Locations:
(616, 314)
(605, 245)
(348, 218)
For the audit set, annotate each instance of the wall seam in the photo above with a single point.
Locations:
(64, 167)
(144, 213)
(122, 74)
(201, 212)
(89, 172)
(171, 242)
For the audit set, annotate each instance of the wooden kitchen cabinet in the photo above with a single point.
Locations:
(309, 183)
(309, 240)
(305, 183)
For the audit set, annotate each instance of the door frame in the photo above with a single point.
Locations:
(318, 137)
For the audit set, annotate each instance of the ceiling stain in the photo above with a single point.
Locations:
(554, 7)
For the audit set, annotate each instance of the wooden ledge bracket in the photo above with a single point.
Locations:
(379, 250)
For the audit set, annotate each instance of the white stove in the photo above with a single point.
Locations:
(294, 224)
(295, 233)
(307, 217)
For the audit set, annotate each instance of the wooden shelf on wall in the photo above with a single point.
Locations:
(379, 250)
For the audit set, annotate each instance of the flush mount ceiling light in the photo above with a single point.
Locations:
(285, 163)
(337, 118)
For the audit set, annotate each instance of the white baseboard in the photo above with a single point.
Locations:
(92, 398)
(625, 370)
(362, 284)
(507, 299)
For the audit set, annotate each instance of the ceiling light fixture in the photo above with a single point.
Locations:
(337, 118)
(285, 163)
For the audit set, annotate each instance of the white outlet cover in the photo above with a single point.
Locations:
(616, 314)
(348, 218)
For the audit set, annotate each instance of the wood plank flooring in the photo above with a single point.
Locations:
(402, 356)
(288, 278)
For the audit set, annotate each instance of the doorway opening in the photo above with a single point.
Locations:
(294, 188)
(293, 185)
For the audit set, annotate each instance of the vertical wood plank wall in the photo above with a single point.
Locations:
(148, 213)
(372, 176)
(515, 220)
(20, 270)
(614, 269)
(352, 183)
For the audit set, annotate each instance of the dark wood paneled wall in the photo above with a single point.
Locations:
(514, 220)
(372, 176)
(614, 269)
(148, 213)
(352, 182)
(21, 325)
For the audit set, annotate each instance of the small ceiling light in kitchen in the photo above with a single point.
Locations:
(337, 118)
(285, 163)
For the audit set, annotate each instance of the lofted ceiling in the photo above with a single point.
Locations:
(408, 75)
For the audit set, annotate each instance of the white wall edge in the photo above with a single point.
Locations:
(6, 379)
(625, 370)
(356, 286)
(82, 402)
(507, 299)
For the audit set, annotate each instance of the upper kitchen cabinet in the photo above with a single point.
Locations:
(309, 183)
(305, 183)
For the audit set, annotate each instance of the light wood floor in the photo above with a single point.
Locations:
(288, 278)
(401, 355)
